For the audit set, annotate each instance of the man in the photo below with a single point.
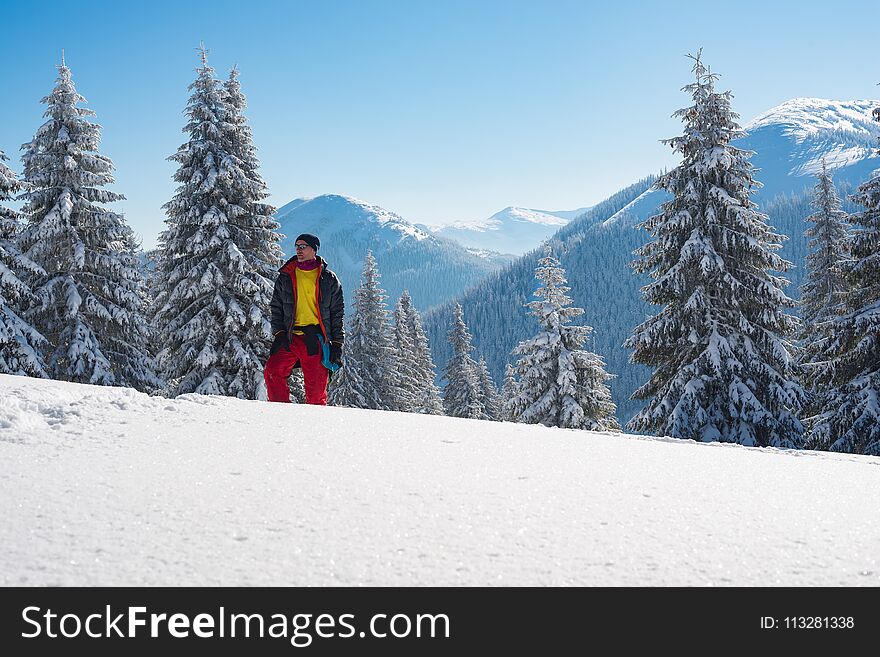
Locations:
(307, 313)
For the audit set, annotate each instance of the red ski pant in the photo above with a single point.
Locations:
(281, 363)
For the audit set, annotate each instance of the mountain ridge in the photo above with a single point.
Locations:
(597, 249)
(511, 230)
(431, 267)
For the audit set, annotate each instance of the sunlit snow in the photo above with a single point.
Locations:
(108, 486)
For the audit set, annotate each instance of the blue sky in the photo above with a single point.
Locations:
(437, 111)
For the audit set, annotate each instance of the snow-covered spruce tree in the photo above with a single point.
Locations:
(823, 295)
(132, 353)
(426, 397)
(20, 343)
(850, 374)
(508, 390)
(403, 365)
(461, 396)
(559, 384)
(723, 366)
(367, 379)
(251, 219)
(488, 392)
(219, 253)
(88, 300)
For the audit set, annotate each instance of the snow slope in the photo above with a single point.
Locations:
(107, 486)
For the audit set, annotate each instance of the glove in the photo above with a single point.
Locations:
(280, 343)
(336, 353)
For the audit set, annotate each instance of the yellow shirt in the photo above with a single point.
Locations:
(306, 298)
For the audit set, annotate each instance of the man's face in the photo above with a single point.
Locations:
(304, 252)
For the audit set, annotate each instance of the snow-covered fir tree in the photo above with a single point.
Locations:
(823, 294)
(88, 300)
(219, 253)
(20, 342)
(824, 291)
(421, 373)
(723, 364)
(849, 376)
(558, 383)
(462, 394)
(132, 353)
(508, 390)
(488, 392)
(403, 366)
(367, 377)
(252, 218)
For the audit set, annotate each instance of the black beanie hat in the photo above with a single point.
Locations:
(311, 240)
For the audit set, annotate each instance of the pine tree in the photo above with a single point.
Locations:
(131, 351)
(823, 295)
(404, 365)
(508, 390)
(426, 395)
(219, 252)
(461, 396)
(559, 384)
(256, 229)
(850, 373)
(723, 368)
(488, 392)
(88, 300)
(366, 379)
(824, 291)
(20, 343)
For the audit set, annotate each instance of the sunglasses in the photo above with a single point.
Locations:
(300, 247)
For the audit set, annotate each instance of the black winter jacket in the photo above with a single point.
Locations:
(330, 302)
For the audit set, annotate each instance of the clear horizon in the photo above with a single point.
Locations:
(438, 113)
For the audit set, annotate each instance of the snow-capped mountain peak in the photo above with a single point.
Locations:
(410, 257)
(807, 116)
(344, 209)
(512, 230)
(809, 130)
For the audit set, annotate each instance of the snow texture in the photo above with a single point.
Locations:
(108, 486)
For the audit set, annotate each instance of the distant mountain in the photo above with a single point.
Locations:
(513, 230)
(789, 141)
(432, 268)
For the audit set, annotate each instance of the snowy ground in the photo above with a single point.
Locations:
(106, 486)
